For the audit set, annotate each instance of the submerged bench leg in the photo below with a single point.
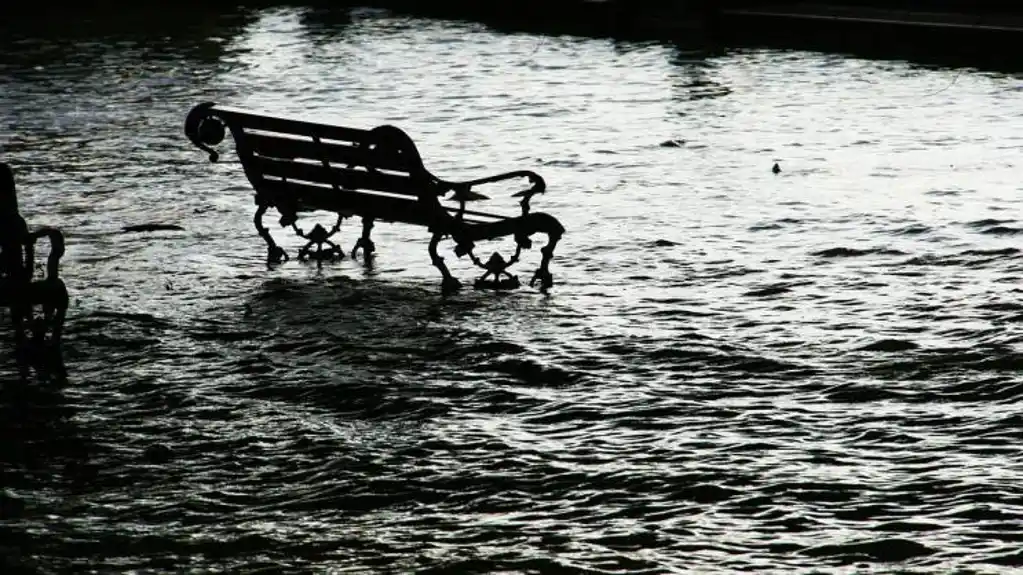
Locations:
(317, 238)
(522, 227)
(365, 242)
(30, 329)
(55, 306)
(449, 283)
(275, 254)
(59, 311)
(543, 274)
(19, 315)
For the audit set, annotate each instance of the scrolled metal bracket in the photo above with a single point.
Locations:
(205, 129)
(318, 237)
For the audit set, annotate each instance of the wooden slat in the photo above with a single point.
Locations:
(279, 125)
(351, 179)
(380, 207)
(335, 153)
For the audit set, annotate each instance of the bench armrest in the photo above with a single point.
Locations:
(463, 190)
(56, 238)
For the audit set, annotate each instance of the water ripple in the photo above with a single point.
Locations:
(736, 371)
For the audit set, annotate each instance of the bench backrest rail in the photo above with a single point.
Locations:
(286, 159)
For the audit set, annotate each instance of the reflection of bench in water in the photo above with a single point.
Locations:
(20, 291)
(299, 166)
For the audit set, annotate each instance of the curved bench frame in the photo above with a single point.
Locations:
(297, 166)
(20, 291)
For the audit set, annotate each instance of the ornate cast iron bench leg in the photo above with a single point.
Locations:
(19, 314)
(51, 292)
(55, 303)
(317, 237)
(496, 275)
(275, 254)
(364, 242)
(449, 283)
(543, 274)
(24, 294)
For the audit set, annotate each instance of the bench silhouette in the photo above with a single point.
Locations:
(298, 166)
(20, 291)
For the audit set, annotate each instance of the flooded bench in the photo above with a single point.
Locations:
(297, 166)
(22, 293)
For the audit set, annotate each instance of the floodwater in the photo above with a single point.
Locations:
(815, 370)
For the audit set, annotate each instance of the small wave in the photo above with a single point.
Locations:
(662, 243)
(908, 526)
(141, 319)
(997, 253)
(683, 357)
(1002, 231)
(561, 163)
(227, 336)
(988, 223)
(764, 227)
(532, 372)
(883, 550)
(1001, 306)
(768, 291)
(121, 342)
(842, 252)
(762, 365)
(704, 493)
(859, 393)
(890, 345)
(931, 260)
(1008, 559)
(680, 313)
(484, 349)
(988, 390)
(912, 230)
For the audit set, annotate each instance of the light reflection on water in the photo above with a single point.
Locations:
(736, 369)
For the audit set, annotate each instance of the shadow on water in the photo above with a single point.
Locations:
(692, 76)
(595, 19)
(373, 308)
(364, 348)
(373, 323)
(347, 345)
(45, 458)
(949, 47)
(323, 23)
(928, 46)
(39, 436)
(83, 32)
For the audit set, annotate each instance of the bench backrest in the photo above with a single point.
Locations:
(8, 194)
(274, 149)
(13, 229)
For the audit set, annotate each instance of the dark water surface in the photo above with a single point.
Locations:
(815, 370)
